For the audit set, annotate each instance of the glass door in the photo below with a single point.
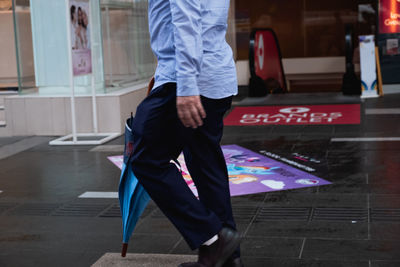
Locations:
(8, 62)
(128, 58)
(23, 45)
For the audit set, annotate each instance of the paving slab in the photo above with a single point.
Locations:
(108, 148)
(352, 222)
(8, 150)
(143, 260)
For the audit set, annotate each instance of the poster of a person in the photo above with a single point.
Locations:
(80, 37)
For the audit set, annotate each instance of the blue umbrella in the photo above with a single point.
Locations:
(133, 198)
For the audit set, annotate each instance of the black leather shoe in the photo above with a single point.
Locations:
(233, 263)
(217, 254)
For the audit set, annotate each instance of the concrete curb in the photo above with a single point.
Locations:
(143, 260)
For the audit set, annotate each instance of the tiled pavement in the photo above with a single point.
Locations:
(355, 221)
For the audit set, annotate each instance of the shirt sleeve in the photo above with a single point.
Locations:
(186, 19)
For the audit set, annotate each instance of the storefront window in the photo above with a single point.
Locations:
(305, 28)
(120, 46)
(126, 42)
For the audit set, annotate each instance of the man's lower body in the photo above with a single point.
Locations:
(160, 137)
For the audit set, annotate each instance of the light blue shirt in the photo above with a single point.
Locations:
(188, 39)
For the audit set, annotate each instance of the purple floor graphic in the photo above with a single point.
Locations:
(251, 173)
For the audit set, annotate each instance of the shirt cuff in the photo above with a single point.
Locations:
(187, 86)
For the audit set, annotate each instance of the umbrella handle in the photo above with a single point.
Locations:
(124, 249)
(150, 86)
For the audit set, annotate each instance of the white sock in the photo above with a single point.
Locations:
(211, 240)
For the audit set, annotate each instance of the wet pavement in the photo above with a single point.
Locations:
(355, 221)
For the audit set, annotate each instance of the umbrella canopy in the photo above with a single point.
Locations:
(133, 198)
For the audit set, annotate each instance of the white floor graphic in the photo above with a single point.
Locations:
(382, 111)
(99, 195)
(366, 139)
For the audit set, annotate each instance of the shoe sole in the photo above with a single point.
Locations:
(229, 250)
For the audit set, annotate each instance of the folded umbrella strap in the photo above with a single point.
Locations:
(179, 165)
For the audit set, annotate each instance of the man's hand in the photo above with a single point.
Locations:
(190, 111)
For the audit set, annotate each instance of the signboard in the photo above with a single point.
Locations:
(369, 84)
(251, 173)
(389, 16)
(294, 115)
(80, 37)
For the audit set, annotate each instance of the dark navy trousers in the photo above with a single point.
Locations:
(160, 137)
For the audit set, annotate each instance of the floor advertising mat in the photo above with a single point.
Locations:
(251, 173)
(294, 115)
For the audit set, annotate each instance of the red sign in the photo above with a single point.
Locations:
(266, 56)
(389, 16)
(294, 115)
